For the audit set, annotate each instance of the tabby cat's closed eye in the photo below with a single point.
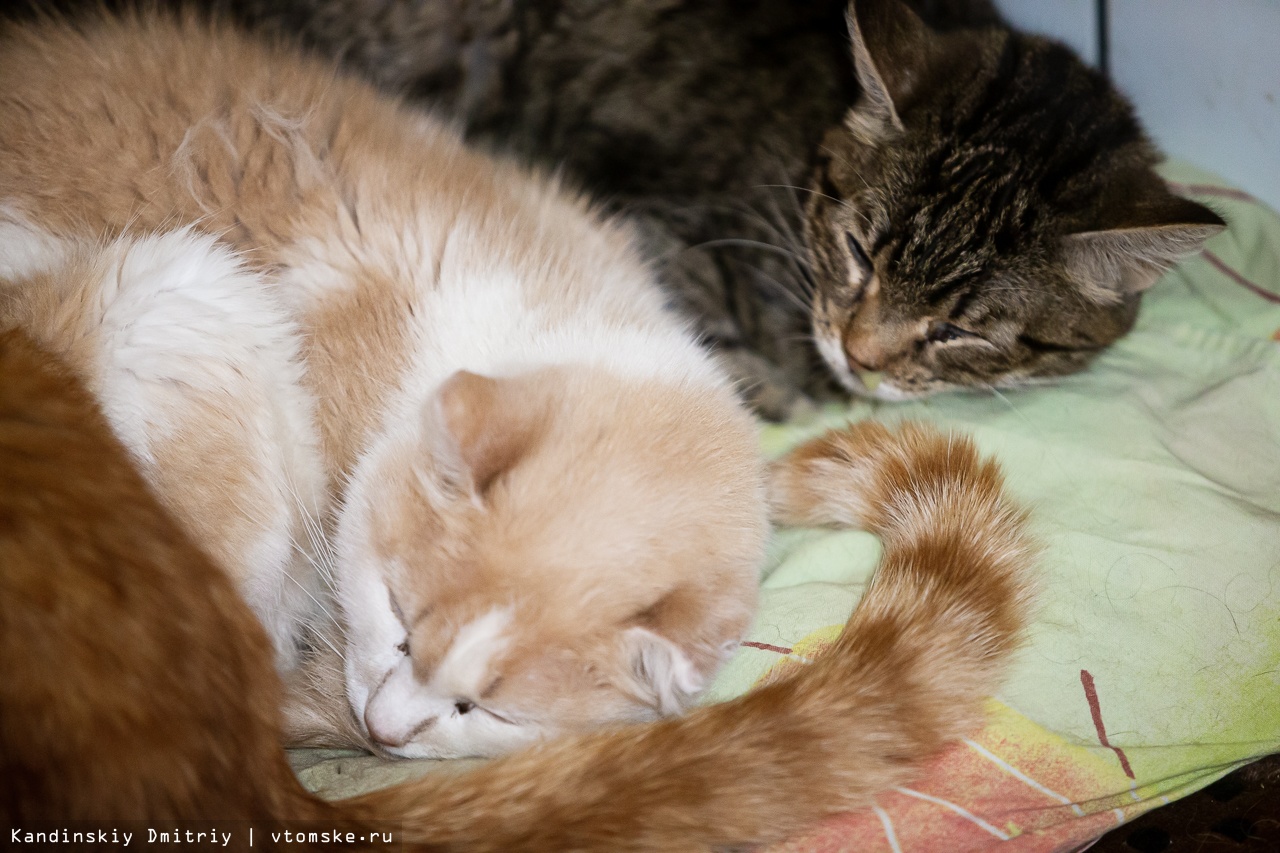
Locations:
(858, 254)
(941, 333)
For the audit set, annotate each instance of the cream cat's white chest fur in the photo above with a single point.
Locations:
(338, 341)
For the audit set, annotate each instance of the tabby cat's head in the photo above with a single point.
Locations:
(986, 214)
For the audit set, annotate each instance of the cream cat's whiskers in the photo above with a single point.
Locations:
(312, 558)
(320, 610)
(320, 552)
(326, 573)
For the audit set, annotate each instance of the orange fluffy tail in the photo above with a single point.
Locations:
(922, 650)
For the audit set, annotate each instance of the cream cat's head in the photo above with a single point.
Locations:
(544, 553)
(985, 215)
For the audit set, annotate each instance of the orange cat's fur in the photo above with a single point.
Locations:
(138, 685)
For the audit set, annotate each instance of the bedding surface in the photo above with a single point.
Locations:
(1153, 666)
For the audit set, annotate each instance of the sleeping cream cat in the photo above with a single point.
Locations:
(348, 352)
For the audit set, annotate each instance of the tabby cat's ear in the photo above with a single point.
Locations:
(1130, 254)
(890, 45)
(481, 428)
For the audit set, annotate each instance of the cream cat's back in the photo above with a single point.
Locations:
(137, 124)
(150, 125)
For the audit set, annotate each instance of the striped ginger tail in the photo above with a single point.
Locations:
(926, 645)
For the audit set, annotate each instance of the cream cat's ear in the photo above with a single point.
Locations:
(662, 674)
(672, 648)
(890, 45)
(480, 428)
(1115, 262)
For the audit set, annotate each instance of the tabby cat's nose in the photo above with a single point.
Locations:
(864, 341)
(863, 357)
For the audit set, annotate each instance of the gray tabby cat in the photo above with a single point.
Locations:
(933, 208)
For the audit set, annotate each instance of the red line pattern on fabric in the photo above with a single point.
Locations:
(782, 650)
(1091, 695)
(1221, 266)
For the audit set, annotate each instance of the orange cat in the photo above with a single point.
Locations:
(138, 686)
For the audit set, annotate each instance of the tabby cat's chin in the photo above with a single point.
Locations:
(869, 385)
(875, 388)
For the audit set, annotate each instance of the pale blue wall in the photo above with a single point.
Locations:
(1204, 74)
(1072, 21)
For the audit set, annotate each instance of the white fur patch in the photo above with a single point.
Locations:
(26, 250)
(191, 356)
(464, 671)
(496, 315)
(832, 352)
(886, 390)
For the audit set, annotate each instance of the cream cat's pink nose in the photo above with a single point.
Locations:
(393, 736)
(381, 736)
